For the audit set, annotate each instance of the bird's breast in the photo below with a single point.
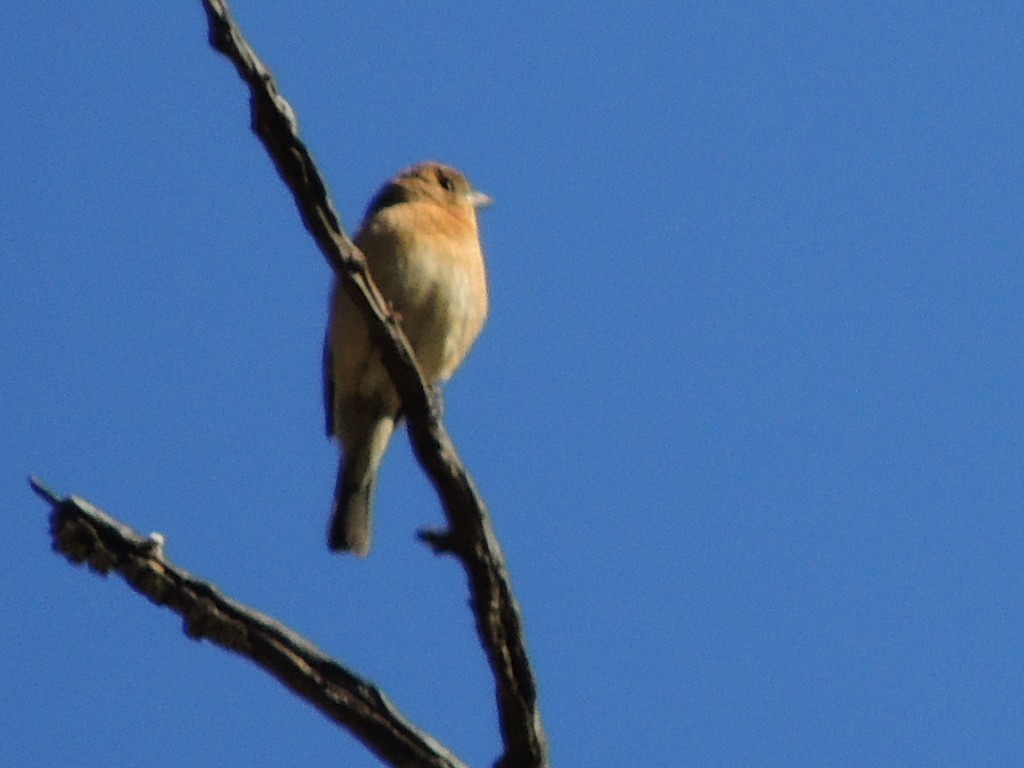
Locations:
(438, 286)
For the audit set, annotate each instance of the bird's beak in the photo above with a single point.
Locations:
(479, 199)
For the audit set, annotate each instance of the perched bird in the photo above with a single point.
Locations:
(422, 247)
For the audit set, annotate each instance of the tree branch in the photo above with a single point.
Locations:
(83, 533)
(471, 537)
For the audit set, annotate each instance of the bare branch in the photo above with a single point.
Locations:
(471, 537)
(83, 533)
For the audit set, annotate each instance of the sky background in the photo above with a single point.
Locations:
(747, 411)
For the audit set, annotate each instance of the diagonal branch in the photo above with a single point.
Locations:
(470, 536)
(83, 533)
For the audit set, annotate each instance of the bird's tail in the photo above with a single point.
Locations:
(351, 527)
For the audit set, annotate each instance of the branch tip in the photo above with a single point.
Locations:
(43, 492)
(442, 542)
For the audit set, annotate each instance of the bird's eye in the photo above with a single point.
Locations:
(446, 181)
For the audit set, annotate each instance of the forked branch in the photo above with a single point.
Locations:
(82, 532)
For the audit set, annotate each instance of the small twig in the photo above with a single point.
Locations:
(42, 491)
(83, 533)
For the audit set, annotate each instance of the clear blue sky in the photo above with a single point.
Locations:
(747, 412)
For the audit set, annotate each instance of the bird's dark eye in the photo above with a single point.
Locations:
(446, 181)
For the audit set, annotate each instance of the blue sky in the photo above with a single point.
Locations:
(747, 411)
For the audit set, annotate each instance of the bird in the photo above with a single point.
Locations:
(421, 240)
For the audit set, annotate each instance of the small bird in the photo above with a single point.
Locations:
(422, 247)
